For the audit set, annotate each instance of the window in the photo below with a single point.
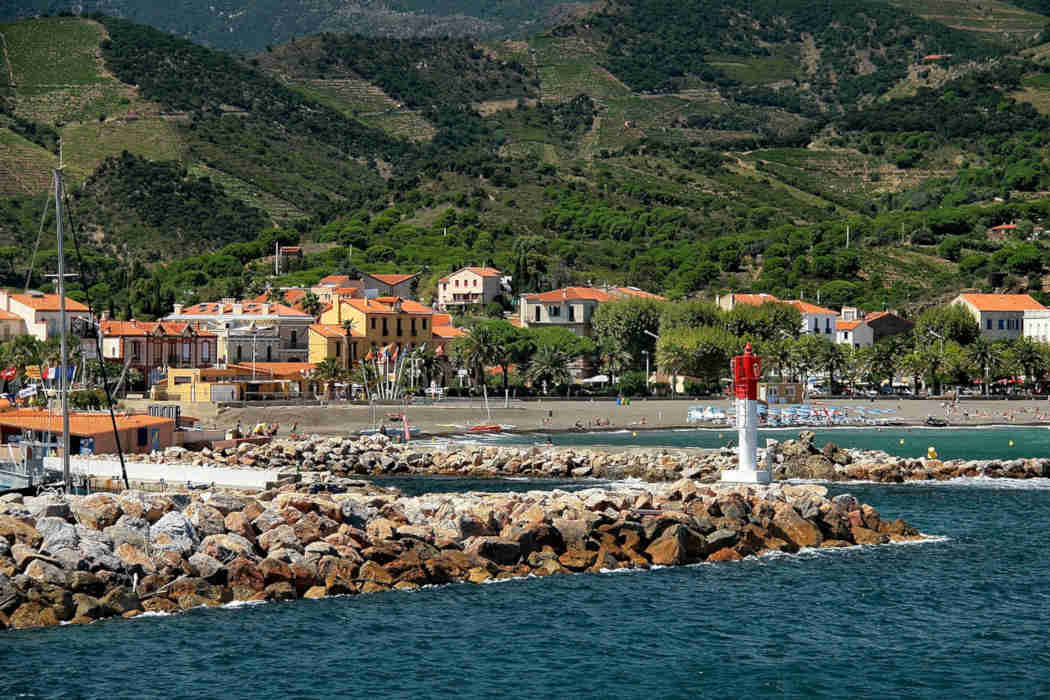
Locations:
(399, 330)
(183, 380)
(338, 349)
(816, 326)
(475, 283)
(239, 353)
(135, 349)
(206, 352)
(141, 436)
(373, 324)
(537, 314)
(412, 328)
(457, 283)
(989, 324)
(1000, 324)
(185, 352)
(269, 353)
(386, 330)
(424, 324)
(572, 312)
(295, 338)
(553, 311)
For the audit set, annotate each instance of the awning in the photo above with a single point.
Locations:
(597, 379)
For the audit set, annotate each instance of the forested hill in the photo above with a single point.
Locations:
(643, 143)
(248, 26)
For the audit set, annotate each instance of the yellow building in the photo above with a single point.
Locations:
(237, 382)
(376, 323)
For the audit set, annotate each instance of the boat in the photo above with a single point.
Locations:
(489, 428)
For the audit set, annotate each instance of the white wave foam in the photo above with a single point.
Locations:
(242, 603)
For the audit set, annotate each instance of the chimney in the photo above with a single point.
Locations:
(238, 308)
(177, 308)
(849, 313)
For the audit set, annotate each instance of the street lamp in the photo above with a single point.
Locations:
(646, 353)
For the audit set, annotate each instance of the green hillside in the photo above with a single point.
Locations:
(648, 143)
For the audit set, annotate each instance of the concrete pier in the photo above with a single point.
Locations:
(148, 476)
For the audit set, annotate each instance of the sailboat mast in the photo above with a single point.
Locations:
(63, 381)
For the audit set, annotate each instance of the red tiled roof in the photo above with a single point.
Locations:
(754, 299)
(479, 271)
(331, 330)
(46, 302)
(133, 328)
(8, 316)
(640, 293)
(1002, 302)
(79, 423)
(847, 325)
(392, 280)
(807, 308)
(276, 369)
(248, 308)
(446, 332)
(571, 294)
(1003, 227)
(335, 280)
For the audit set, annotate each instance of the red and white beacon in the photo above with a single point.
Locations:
(747, 369)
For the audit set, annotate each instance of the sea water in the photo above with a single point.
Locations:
(965, 615)
(950, 443)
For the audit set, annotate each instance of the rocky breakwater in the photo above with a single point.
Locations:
(802, 459)
(378, 456)
(85, 558)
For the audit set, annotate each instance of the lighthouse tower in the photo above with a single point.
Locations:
(747, 368)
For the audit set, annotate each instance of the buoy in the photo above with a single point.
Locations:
(634, 434)
(720, 436)
(902, 441)
(931, 452)
(1011, 443)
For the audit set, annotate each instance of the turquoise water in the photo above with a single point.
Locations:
(951, 443)
(961, 617)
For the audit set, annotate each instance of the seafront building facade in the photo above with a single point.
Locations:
(39, 313)
(999, 316)
(469, 286)
(249, 331)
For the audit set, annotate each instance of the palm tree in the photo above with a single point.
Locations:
(327, 372)
(834, 363)
(1027, 357)
(311, 304)
(985, 355)
(477, 351)
(549, 366)
(781, 351)
(348, 328)
(24, 350)
(913, 363)
(428, 362)
(615, 361)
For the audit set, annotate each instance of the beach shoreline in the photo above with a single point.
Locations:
(562, 416)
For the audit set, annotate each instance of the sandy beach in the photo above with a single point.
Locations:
(456, 415)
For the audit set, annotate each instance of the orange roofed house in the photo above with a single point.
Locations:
(396, 285)
(351, 328)
(91, 433)
(39, 312)
(816, 320)
(153, 346)
(469, 286)
(999, 315)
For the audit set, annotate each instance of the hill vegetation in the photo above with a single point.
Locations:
(741, 155)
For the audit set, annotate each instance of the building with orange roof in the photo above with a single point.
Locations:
(634, 292)
(11, 325)
(816, 320)
(374, 323)
(999, 316)
(245, 381)
(469, 287)
(153, 346)
(569, 307)
(727, 302)
(395, 285)
(40, 312)
(250, 330)
(91, 433)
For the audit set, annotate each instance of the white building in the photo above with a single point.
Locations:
(1036, 325)
(40, 312)
(247, 330)
(1000, 316)
(468, 286)
(851, 329)
(816, 320)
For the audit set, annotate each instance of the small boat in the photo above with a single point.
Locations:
(492, 428)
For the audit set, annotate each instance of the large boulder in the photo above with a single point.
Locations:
(226, 547)
(132, 530)
(208, 568)
(677, 545)
(496, 549)
(97, 511)
(281, 537)
(33, 614)
(792, 527)
(206, 520)
(238, 523)
(49, 507)
(174, 532)
(58, 534)
(98, 555)
(46, 572)
(14, 530)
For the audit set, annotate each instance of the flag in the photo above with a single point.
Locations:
(393, 352)
(370, 356)
(50, 372)
(9, 373)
